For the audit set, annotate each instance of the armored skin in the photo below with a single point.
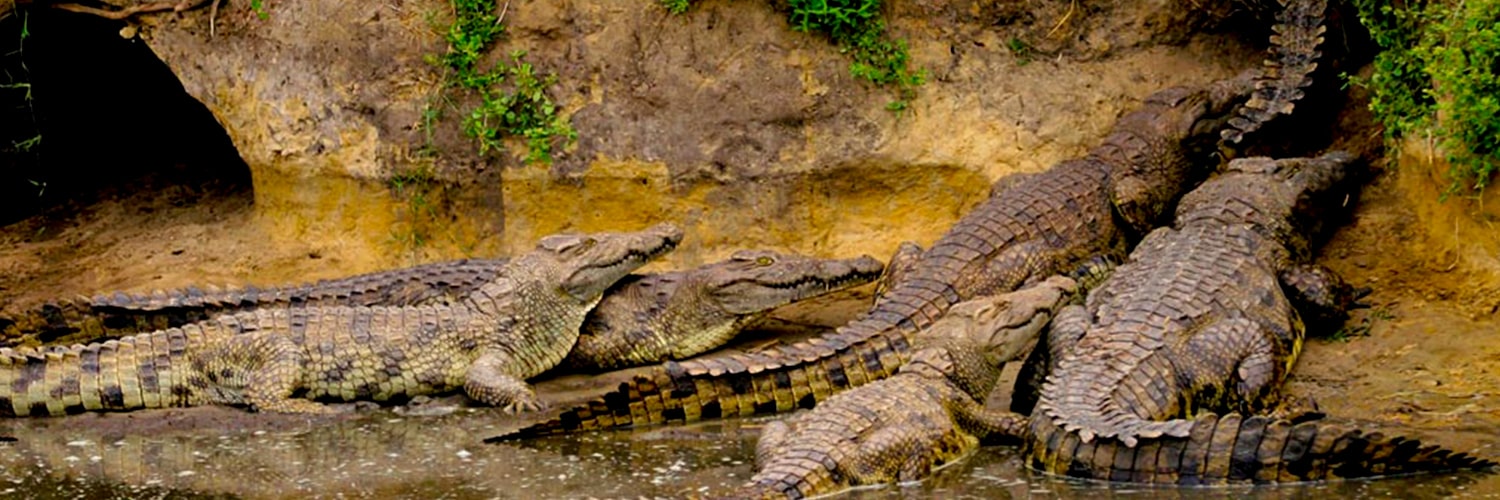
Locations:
(94, 319)
(514, 327)
(1197, 323)
(1287, 73)
(929, 414)
(650, 318)
(1040, 225)
(642, 318)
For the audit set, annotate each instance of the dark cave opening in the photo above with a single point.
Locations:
(85, 112)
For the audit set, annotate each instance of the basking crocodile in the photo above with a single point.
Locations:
(642, 318)
(98, 318)
(930, 413)
(1040, 225)
(1198, 321)
(651, 318)
(518, 325)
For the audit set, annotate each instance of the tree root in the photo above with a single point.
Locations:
(110, 10)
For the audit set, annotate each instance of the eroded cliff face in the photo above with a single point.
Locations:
(723, 119)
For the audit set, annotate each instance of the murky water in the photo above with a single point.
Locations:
(385, 455)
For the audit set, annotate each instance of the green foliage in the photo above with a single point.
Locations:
(1439, 59)
(513, 98)
(522, 110)
(259, 7)
(1021, 50)
(416, 184)
(856, 27)
(1463, 59)
(676, 6)
(21, 142)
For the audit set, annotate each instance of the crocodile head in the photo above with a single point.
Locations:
(1161, 149)
(997, 329)
(590, 263)
(753, 281)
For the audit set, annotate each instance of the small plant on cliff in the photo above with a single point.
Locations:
(513, 98)
(1440, 59)
(857, 28)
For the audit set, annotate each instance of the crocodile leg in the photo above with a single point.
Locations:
(1071, 323)
(488, 383)
(988, 423)
(274, 374)
(1321, 296)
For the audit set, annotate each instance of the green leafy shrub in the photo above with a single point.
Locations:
(856, 27)
(1439, 59)
(513, 97)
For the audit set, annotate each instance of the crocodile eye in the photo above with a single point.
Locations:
(589, 243)
(764, 261)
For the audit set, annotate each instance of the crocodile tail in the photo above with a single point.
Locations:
(1234, 449)
(140, 371)
(670, 393)
(792, 484)
(76, 319)
(1288, 71)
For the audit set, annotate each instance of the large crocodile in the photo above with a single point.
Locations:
(101, 317)
(673, 315)
(643, 318)
(1197, 319)
(1040, 225)
(514, 327)
(930, 413)
(1197, 322)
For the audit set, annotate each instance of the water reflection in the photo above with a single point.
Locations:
(385, 455)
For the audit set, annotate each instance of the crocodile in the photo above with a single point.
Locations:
(113, 315)
(929, 413)
(650, 318)
(643, 318)
(513, 327)
(1037, 226)
(1198, 319)
(1199, 322)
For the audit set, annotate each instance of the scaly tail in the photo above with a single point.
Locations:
(672, 394)
(94, 319)
(1294, 57)
(83, 320)
(141, 371)
(1235, 449)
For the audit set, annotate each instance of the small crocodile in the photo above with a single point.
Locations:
(930, 413)
(650, 318)
(514, 327)
(1037, 226)
(99, 318)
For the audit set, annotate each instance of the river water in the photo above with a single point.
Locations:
(382, 454)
